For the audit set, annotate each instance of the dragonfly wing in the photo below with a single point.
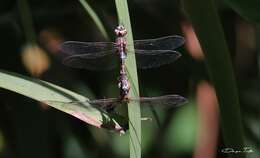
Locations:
(105, 104)
(99, 103)
(64, 103)
(168, 101)
(93, 49)
(89, 55)
(155, 58)
(162, 43)
(104, 62)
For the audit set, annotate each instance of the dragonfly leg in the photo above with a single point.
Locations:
(110, 108)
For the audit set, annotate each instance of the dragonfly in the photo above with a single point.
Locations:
(149, 53)
(108, 106)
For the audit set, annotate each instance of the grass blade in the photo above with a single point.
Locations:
(248, 9)
(205, 20)
(53, 95)
(95, 18)
(134, 112)
(26, 19)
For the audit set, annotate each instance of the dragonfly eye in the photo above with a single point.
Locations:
(120, 30)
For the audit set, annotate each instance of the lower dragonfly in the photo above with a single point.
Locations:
(109, 104)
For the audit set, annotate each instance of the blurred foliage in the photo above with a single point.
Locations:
(185, 130)
(29, 129)
(221, 75)
(35, 60)
(249, 9)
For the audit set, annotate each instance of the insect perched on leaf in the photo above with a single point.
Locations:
(149, 53)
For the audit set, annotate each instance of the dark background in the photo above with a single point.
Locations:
(31, 129)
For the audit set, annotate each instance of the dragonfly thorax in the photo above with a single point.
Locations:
(150, 53)
(123, 85)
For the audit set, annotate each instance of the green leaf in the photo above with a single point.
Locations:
(182, 132)
(212, 39)
(134, 112)
(26, 20)
(58, 98)
(95, 18)
(246, 8)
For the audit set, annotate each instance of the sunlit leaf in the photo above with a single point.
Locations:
(54, 96)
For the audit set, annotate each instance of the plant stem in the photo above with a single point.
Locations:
(134, 112)
(26, 20)
(95, 18)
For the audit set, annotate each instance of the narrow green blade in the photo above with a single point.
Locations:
(134, 112)
(95, 18)
(248, 9)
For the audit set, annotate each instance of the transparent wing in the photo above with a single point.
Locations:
(88, 49)
(104, 62)
(166, 101)
(155, 58)
(162, 43)
(152, 53)
(103, 104)
(89, 55)
(110, 60)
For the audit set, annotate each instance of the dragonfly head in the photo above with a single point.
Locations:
(120, 31)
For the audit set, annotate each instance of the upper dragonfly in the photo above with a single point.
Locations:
(149, 53)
